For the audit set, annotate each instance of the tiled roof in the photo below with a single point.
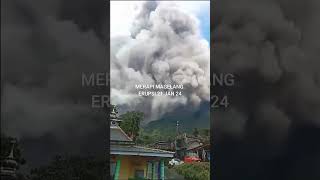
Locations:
(139, 151)
(117, 134)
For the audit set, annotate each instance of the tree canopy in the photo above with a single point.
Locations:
(131, 123)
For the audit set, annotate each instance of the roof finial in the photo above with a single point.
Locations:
(11, 155)
(114, 117)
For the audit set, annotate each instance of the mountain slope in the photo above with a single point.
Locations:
(188, 119)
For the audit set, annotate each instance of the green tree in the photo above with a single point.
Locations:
(194, 171)
(195, 132)
(204, 132)
(131, 123)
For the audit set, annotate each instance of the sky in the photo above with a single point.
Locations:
(123, 12)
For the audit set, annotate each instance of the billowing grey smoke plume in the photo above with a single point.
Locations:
(271, 130)
(45, 48)
(43, 59)
(165, 47)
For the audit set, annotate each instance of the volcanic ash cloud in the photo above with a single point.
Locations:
(165, 47)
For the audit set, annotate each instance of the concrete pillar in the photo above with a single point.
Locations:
(162, 169)
(149, 170)
(117, 171)
(154, 170)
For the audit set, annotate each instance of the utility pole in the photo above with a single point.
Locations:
(177, 128)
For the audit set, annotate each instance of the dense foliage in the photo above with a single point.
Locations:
(131, 123)
(194, 171)
(147, 136)
(162, 130)
(155, 135)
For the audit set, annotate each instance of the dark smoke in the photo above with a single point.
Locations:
(272, 128)
(45, 48)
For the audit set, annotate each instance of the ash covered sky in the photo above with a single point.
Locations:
(159, 43)
(45, 48)
(272, 128)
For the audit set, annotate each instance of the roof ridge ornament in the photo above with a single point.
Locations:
(11, 155)
(9, 165)
(114, 117)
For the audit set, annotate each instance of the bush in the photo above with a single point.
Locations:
(194, 171)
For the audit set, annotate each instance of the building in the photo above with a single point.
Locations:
(9, 165)
(129, 161)
(164, 145)
(202, 151)
(192, 146)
